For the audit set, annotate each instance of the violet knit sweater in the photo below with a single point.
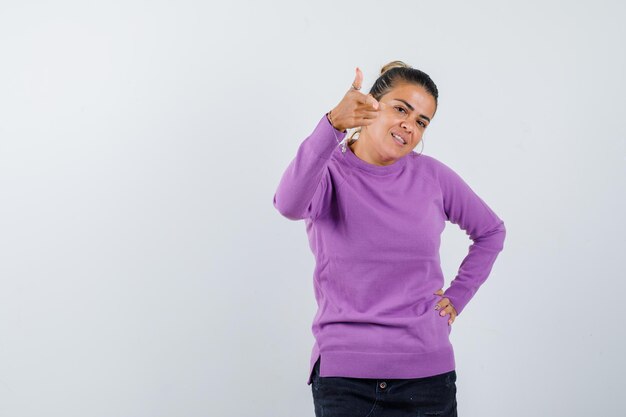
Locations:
(375, 233)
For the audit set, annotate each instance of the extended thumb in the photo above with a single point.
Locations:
(358, 79)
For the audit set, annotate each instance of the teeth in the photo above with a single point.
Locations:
(396, 136)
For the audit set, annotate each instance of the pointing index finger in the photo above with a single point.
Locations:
(369, 99)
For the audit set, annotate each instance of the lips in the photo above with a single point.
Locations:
(399, 138)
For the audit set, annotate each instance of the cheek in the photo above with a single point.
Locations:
(388, 123)
(379, 127)
(392, 119)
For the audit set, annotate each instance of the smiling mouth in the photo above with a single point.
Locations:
(398, 139)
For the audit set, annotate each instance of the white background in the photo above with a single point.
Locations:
(145, 272)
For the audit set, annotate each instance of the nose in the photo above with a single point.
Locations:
(406, 126)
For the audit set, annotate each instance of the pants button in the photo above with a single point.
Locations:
(383, 385)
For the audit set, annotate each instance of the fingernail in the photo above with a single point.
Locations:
(442, 313)
(437, 307)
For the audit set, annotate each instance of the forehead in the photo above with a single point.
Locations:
(415, 95)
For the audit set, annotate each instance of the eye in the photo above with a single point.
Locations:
(400, 108)
(422, 123)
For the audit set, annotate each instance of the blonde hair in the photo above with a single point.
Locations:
(392, 65)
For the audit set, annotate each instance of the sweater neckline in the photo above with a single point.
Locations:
(357, 162)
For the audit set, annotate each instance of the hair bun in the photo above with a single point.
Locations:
(394, 64)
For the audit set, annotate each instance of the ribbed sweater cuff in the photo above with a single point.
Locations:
(325, 138)
(459, 297)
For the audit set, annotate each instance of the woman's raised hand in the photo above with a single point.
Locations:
(355, 109)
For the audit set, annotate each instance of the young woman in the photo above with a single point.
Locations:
(374, 211)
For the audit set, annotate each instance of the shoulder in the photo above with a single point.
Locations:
(432, 166)
(429, 161)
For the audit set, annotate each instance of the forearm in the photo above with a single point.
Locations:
(305, 181)
(476, 267)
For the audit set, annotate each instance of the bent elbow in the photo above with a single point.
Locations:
(493, 238)
(499, 236)
(289, 211)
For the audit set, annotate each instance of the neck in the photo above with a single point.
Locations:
(363, 150)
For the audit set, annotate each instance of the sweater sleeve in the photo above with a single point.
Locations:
(463, 207)
(304, 186)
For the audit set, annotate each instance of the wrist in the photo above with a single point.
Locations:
(330, 120)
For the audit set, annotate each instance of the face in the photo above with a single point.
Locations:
(405, 111)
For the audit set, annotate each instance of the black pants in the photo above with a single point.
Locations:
(363, 397)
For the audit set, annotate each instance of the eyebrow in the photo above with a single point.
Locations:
(411, 108)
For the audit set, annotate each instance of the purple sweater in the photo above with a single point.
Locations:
(375, 233)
